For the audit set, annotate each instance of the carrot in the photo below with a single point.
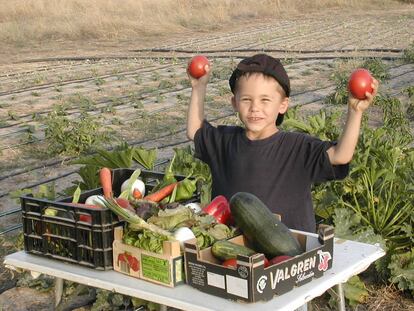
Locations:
(105, 178)
(137, 194)
(162, 193)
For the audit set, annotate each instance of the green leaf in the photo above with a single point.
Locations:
(348, 226)
(90, 177)
(118, 158)
(145, 157)
(76, 195)
(355, 291)
(402, 270)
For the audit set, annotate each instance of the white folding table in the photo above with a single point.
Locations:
(350, 258)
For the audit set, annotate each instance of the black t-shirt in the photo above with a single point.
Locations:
(279, 169)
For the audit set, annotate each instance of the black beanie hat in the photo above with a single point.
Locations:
(267, 65)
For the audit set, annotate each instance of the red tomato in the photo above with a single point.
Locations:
(359, 83)
(232, 262)
(196, 66)
(85, 218)
(266, 263)
(279, 259)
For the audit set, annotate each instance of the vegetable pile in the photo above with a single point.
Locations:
(163, 214)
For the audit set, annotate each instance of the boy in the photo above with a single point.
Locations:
(276, 166)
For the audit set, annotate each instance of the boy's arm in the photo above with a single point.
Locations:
(343, 151)
(195, 113)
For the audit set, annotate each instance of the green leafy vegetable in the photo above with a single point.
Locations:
(145, 239)
(171, 219)
(402, 270)
(76, 195)
(145, 157)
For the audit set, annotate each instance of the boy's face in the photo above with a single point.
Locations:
(259, 99)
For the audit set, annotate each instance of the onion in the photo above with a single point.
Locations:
(195, 207)
(183, 234)
(138, 184)
(94, 200)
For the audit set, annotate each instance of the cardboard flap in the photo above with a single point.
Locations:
(325, 232)
(118, 233)
(191, 244)
(171, 248)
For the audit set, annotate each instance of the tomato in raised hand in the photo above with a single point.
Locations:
(359, 83)
(196, 67)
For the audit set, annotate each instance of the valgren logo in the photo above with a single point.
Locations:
(324, 258)
(261, 284)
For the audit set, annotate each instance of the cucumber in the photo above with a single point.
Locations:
(264, 231)
(224, 250)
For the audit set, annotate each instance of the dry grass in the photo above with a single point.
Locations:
(24, 22)
(388, 298)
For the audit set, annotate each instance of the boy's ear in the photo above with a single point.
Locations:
(284, 105)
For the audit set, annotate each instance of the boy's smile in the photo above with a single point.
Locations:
(258, 100)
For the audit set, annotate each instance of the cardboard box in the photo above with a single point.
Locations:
(250, 281)
(164, 269)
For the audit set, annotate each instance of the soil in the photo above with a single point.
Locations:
(139, 88)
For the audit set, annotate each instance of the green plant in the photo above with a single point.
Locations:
(378, 69)
(73, 136)
(394, 117)
(99, 81)
(322, 125)
(12, 115)
(410, 105)
(408, 56)
(222, 72)
(165, 84)
(340, 96)
(81, 101)
(45, 191)
(402, 270)
(374, 203)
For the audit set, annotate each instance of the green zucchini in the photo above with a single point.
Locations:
(224, 250)
(264, 231)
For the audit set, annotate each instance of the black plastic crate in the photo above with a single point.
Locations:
(65, 237)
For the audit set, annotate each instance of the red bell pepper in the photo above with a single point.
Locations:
(219, 208)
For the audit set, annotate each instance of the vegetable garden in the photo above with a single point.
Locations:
(62, 120)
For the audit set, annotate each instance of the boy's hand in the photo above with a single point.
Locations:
(361, 105)
(203, 80)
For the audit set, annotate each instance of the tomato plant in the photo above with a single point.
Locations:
(360, 83)
(196, 68)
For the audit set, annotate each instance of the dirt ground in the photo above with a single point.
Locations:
(139, 88)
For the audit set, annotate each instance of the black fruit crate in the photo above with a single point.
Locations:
(65, 237)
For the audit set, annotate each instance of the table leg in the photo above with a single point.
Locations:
(341, 297)
(58, 290)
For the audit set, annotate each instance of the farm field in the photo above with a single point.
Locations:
(138, 92)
